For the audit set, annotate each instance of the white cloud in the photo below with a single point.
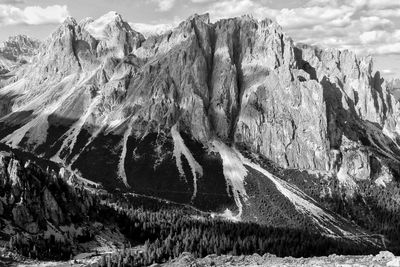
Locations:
(387, 71)
(311, 16)
(164, 5)
(370, 23)
(288, 18)
(379, 4)
(32, 15)
(372, 37)
(374, 4)
(202, 1)
(152, 29)
(395, 12)
(14, 2)
(233, 8)
(387, 49)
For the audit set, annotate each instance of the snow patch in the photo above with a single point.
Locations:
(234, 172)
(181, 149)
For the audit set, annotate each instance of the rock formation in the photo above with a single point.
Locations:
(102, 99)
(30, 198)
(15, 51)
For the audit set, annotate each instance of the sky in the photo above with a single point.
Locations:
(368, 27)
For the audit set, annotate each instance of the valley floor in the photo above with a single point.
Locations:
(384, 258)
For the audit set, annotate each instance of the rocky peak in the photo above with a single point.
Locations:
(114, 35)
(205, 18)
(103, 26)
(16, 51)
(19, 47)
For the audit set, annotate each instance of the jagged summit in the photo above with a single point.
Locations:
(15, 51)
(98, 28)
(18, 46)
(202, 17)
(69, 21)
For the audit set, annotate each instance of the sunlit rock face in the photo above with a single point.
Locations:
(97, 85)
(16, 51)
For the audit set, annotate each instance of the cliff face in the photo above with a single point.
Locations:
(103, 99)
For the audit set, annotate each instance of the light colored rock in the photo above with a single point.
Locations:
(394, 263)
(254, 260)
(384, 256)
(13, 170)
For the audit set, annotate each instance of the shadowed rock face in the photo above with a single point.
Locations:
(97, 85)
(31, 198)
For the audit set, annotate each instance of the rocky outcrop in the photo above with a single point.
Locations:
(384, 258)
(16, 51)
(23, 219)
(19, 47)
(29, 196)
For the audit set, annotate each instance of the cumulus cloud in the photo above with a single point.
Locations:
(164, 5)
(32, 15)
(394, 12)
(311, 16)
(379, 4)
(12, 1)
(288, 18)
(201, 1)
(386, 49)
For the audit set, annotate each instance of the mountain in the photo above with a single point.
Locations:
(15, 51)
(394, 87)
(230, 117)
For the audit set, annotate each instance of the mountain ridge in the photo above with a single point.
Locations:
(165, 116)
